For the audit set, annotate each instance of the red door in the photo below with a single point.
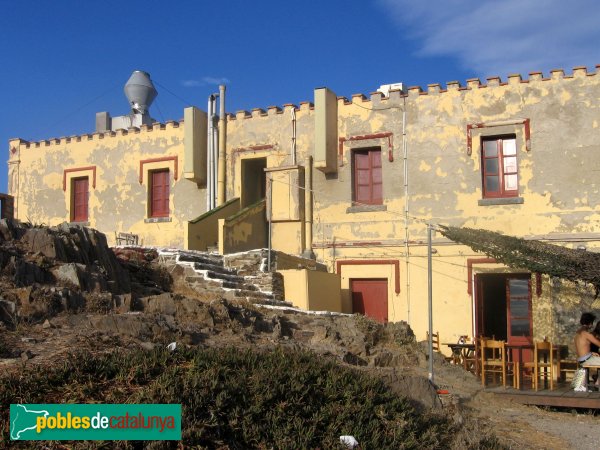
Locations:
(80, 200)
(369, 297)
(159, 201)
(519, 326)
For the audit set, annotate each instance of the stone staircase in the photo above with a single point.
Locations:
(203, 271)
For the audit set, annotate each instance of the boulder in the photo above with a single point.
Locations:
(68, 274)
(97, 266)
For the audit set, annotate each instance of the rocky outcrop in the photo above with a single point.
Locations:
(79, 245)
(72, 256)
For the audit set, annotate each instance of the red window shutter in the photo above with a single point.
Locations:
(368, 177)
(80, 200)
(159, 194)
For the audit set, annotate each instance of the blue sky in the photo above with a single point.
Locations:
(65, 60)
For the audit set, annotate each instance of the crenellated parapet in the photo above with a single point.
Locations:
(374, 101)
(66, 140)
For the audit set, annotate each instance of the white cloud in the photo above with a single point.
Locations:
(499, 37)
(204, 81)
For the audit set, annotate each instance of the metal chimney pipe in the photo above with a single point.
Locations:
(209, 155)
(222, 146)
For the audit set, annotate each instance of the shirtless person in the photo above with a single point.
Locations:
(584, 338)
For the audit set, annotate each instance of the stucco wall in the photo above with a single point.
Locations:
(246, 230)
(40, 175)
(312, 290)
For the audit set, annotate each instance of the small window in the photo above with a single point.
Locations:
(499, 167)
(79, 199)
(159, 193)
(367, 177)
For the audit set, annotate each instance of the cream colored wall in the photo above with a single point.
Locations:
(350, 272)
(324, 291)
(312, 290)
(246, 230)
(295, 287)
(118, 202)
(203, 232)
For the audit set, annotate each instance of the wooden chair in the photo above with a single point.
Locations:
(542, 364)
(566, 369)
(565, 366)
(435, 339)
(471, 359)
(494, 360)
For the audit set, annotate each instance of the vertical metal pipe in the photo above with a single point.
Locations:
(270, 212)
(222, 146)
(308, 208)
(430, 299)
(215, 155)
(293, 149)
(209, 155)
(406, 210)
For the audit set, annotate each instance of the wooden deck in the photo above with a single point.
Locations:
(562, 396)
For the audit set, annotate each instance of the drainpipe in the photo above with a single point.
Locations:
(293, 150)
(406, 217)
(215, 152)
(222, 146)
(308, 210)
(209, 154)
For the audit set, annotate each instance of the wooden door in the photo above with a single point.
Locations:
(80, 200)
(159, 201)
(370, 297)
(519, 323)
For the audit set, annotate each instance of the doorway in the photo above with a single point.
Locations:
(370, 297)
(254, 181)
(503, 308)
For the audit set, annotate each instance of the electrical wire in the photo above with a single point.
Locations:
(59, 121)
(159, 111)
(377, 109)
(173, 94)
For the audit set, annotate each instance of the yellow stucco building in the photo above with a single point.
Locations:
(353, 183)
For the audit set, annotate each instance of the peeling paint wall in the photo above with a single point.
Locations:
(433, 135)
(40, 177)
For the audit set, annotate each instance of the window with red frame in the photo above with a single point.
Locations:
(159, 193)
(499, 167)
(79, 199)
(367, 180)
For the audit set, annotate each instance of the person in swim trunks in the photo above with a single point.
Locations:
(584, 339)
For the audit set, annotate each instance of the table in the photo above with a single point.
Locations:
(592, 363)
(463, 354)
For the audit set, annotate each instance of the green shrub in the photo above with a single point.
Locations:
(239, 399)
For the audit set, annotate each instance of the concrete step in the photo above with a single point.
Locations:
(230, 277)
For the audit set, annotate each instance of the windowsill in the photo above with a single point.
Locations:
(365, 208)
(157, 219)
(81, 224)
(501, 201)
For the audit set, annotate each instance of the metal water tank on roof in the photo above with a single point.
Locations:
(140, 91)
